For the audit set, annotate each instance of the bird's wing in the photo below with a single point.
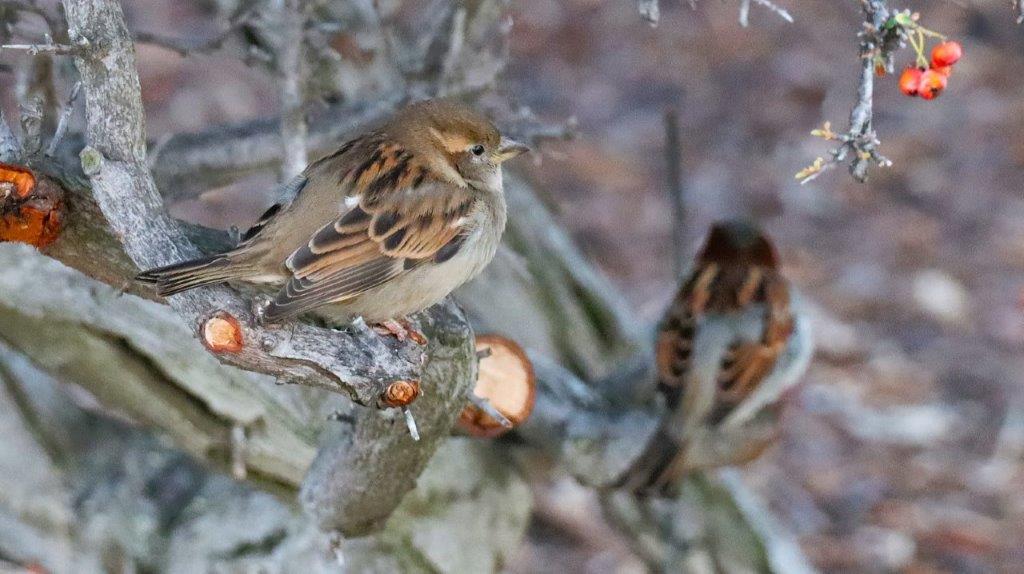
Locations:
(677, 330)
(394, 216)
(748, 364)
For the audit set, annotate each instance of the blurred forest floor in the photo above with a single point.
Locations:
(890, 458)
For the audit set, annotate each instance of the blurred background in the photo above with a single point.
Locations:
(905, 449)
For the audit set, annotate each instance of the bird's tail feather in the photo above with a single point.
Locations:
(187, 275)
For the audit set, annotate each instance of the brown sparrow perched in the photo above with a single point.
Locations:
(386, 225)
(730, 345)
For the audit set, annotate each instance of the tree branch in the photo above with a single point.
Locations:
(291, 67)
(860, 143)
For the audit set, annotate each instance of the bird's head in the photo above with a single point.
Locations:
(458, 141)
(737, 242)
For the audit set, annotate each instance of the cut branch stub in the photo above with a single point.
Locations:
(30, 209)
(400, 394)
(20, 180)
(222, 333)
(506, 383)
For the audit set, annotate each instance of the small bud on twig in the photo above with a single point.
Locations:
(505, 389)
(222, 333)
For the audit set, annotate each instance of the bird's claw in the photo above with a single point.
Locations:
(401, 330)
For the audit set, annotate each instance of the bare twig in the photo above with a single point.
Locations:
(46, 48)
(239, 470)
(185, 48)
(65, 119)
(292, 65)
(410, 423)
(674, 187)
(456, 42)
(745, 11)
(486, 406)
(860, 143)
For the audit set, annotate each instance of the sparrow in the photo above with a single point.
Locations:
(386, 225)
(732, 342)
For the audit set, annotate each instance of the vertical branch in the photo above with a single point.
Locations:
(674, 171)
(65, 119)
(877, 43)
(861, 116)
(292, 67)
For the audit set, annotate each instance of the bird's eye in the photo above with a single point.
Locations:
(477, 150)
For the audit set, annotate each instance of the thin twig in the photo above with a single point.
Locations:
(860, 143)
(185, 48)
(65, 119)
(410, 423)
(456, 42)
(239, 449)
(674, 187)
(48, 48)
(485, 405)
(179, 46)
(291, 62)
(745, 11)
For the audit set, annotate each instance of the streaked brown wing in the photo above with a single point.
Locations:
(399, 217)
(676, 332)
(748, 363)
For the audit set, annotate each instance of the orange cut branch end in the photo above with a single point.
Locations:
(222, 334)
(506, 382)
(400, 393)
(21, 180)
(30, 211)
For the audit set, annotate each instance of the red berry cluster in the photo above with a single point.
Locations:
(929, 82)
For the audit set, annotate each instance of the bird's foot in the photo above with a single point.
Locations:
(401, 329)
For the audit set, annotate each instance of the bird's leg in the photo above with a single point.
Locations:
(400, 329)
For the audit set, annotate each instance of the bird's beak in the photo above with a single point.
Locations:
(509, 148)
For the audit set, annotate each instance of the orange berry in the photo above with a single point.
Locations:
(946, 54)
(910, 80)
(944, 70)
(932, 84)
